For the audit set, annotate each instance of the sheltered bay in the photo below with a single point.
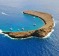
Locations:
(41, 32)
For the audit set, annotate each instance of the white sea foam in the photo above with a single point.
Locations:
(4, 13)
(48, 35)
(1, 31)
(9, 36)
(54, 22)
(27, 38)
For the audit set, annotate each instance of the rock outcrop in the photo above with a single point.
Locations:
(41, 32)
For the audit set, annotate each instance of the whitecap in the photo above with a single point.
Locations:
(3, 13)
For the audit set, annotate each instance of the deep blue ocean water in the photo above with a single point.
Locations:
(12, 12)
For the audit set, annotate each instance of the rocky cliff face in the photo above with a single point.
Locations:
(41, 32)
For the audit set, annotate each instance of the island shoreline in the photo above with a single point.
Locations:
(41, 32)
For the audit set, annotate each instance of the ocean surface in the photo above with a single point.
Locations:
(11, 16)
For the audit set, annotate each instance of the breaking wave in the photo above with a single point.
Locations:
(1, 32)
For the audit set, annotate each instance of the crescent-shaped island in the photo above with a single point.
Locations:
(41, 32)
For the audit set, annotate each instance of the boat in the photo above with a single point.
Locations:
(11, 29)
(22, 28)
(34, 24)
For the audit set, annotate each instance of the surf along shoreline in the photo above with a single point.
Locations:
(41, 32)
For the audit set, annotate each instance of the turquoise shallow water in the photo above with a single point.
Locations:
(19, 21)
(33, 46)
